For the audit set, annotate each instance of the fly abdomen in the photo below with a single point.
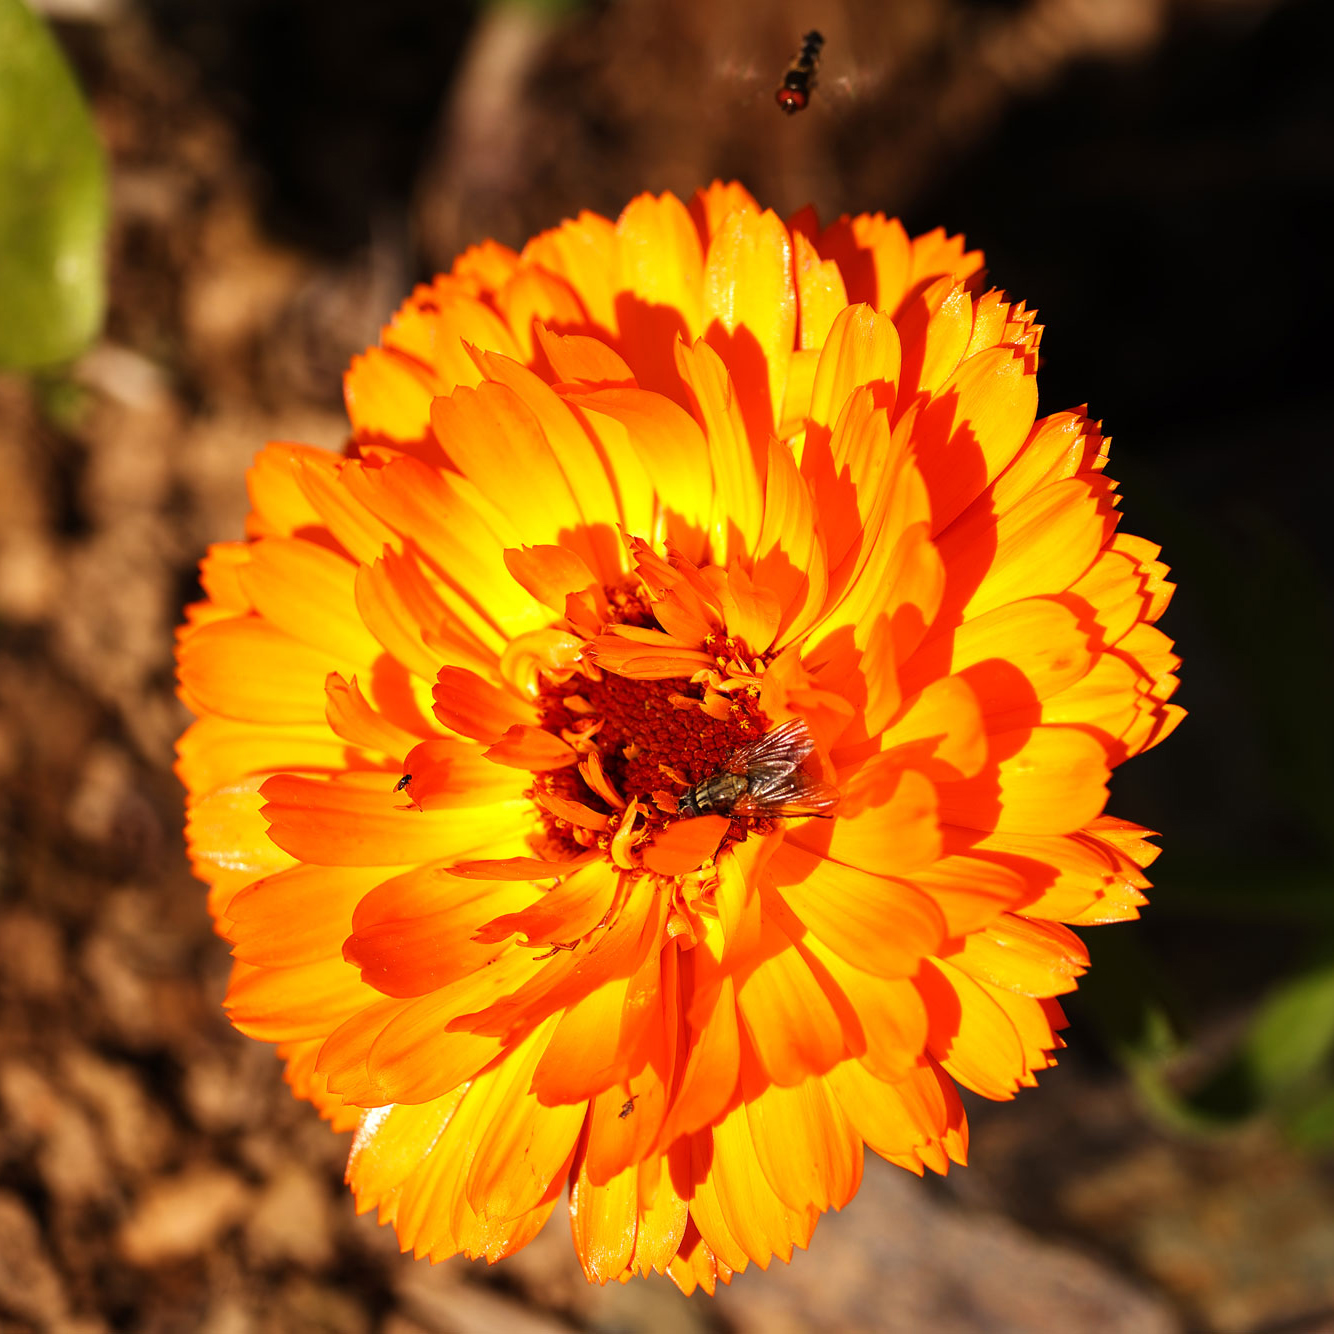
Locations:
(716, 794)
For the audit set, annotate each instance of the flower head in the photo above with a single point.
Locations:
(485, 706)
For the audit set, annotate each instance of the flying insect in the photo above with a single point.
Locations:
(763, 778)
(794, 93)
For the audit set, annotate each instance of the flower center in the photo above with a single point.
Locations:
(651, 736)
(642, 744)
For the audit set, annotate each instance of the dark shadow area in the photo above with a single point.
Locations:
(335, 103)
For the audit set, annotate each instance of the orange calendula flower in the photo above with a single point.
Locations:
(666, 751)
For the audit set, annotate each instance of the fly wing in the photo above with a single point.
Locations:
(768, 783)
(797, 794)
(785, 747)
(768, 773)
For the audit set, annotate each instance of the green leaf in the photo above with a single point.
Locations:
(1311, 1126)
(1280, 1066)
(1294, 1031)
(53, 200)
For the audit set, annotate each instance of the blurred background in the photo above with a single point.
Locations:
(1156, 176)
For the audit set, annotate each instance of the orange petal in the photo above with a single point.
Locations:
(696, 1266)
(737, 899)
(899, 833)
(935, 252)
(298, 916)
(889, 1012)
(684, 844)
(971, 891)
(493, 437)
(971, 1036)
(518, 868)
(361, 533)
(247, 669)
(789, 556)
(1031, 958)
(935, 326)
(672, 450)
(390, 394)
(550, 574)
(1012, 656)
(418, 954)
(750, 313)
(1118, 702)
(525, 1151)
(734, 456)
(663, 1211)
(632, 935)
(862, 350)
(433, 1213)
(220, 575)
(579, 815)
(224, 828)
(353, 718)
(474, 707)
(572, 444)
(350, 824)
(883, 561)
(874, 257)
(587, 362)
(480, 269)
(605, 1223)
(566, 912)
(446, 773)
(291, 1004)
(711, 206)
(409, 615)
(1042, 546)
(794, 1027)
(940, 732)
(646, 655)
(760, 1224)
(214, 751)
(1064, 444)
(972, 428)
(662, 261)
(392, 1142)
(527, 747)
(578, 250)
(531, 298)
(751, 612)
(412, 1050)
(806, 1146)
(880, 925)
(900, 1116)
(438, 331)
(713, 1065)
(821, 294)
(1065, 875)
(306, 591)
(279, 506)
(1052, 781)
(461, 535)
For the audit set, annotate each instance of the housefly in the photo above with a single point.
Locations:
(764, 777)
(794, 93)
